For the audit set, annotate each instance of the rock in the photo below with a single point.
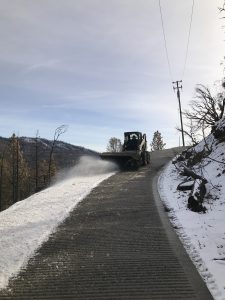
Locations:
(195, 206)
(185, 186)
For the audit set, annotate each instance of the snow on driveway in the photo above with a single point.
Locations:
(203, 235)
(28, 223)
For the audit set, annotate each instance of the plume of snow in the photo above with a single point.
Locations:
(87, 166)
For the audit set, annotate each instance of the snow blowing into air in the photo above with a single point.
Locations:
(26, 225)
(87, 166)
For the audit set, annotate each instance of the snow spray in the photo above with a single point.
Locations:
(87, 166)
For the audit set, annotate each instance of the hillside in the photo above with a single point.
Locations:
(200, 227)
(65, 155)
(24, 167)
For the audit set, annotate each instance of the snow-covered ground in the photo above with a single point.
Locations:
(28, 223)
(203, 235)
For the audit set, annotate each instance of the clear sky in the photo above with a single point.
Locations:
(100, 66)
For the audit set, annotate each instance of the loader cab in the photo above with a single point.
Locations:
(132, 141)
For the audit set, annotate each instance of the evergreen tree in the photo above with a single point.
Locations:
(18, 169)
(4, 181)
(43, 173)
(157, 141)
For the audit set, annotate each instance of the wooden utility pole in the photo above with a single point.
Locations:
(17, 170)
(36, 162)
(177, 87)
(13, 169)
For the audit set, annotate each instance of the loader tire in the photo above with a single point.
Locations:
(144, 159)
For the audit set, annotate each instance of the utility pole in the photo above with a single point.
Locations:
(17, 170)
(177, 87)
(36, 161)
(13, 169)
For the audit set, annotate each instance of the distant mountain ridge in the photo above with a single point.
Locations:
(65, 154)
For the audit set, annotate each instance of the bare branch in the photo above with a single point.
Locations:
(205, 109)
(59, 131)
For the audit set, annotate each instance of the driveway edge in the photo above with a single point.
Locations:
(192, 273)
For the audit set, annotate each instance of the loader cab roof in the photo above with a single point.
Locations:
(132, 135)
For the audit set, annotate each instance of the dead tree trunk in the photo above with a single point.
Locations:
(198, 192)
(59, 131)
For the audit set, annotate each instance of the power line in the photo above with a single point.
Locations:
(177, 87)
(188, 41)
(165, 43)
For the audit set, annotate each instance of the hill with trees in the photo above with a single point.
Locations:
(28, 164)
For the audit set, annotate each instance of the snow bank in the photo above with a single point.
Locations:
(203, 235)
(28, 223)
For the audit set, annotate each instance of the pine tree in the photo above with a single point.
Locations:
(4, 180)
(18, 169)
(43, 173)
(157, 141)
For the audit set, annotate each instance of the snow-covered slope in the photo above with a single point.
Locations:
(203, 234)
(28, 223)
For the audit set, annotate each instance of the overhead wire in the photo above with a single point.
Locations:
(165, 42)
(188, 40)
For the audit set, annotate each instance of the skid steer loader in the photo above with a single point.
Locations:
(134, 152)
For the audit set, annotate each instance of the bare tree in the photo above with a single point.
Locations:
(58, 132)
(206, 109)
(190, 132)
(222, 9)
(114, 145)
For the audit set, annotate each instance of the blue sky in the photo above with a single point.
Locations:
(100, 67)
